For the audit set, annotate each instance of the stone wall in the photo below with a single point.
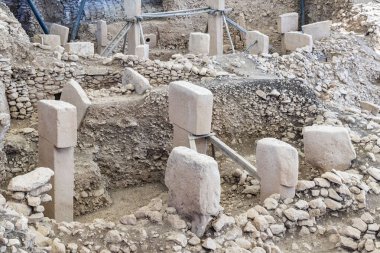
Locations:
(26, 85)
(131, 137)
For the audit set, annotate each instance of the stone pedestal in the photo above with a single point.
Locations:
(215, 27)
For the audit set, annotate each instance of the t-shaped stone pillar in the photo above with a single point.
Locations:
(277, 166)
(57, 128)
(215, 27)
(133, 9)
(190, 112)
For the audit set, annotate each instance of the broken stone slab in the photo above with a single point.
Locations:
(57, 122)
(74, 94)
(199, 43)
(190, 107)
(318, 30)
(288, 22)
(62, 31)
(257, 42)
(294, 40)
(142, 51)
(83, 49)
(31, 180)
(277, 166)
(51, 40)
(371, 107)
(140, 83)
(328, 147)
(194, 186)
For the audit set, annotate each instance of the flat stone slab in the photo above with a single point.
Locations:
(83, 49)
(288, 22)
(328, 147)
(51, 40)
(199, 43)
(74, 94)
(277, 165)
(31, 180)
(294, 40)
(130, 76)
(318, 30)
(142, 51)
(62, 31)
(190, 107)
(57, 122)
(371, 107)
(261, 41)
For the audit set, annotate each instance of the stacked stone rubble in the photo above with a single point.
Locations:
(29, 193)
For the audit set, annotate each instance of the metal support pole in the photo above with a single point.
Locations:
(38, 16)
(233, 155)
(302, 8)
(74, 32)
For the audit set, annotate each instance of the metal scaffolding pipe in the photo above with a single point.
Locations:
(74, 32)
(38, 16)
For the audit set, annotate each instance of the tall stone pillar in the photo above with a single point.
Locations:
(190, 112)
(57, 129)
(101, 35)
(133, 9)
(215, 27)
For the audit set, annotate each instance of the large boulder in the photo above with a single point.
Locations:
(194, 186)
(328, 147)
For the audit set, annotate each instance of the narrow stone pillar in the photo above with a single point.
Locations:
(215, 27)
(277, 166)
(57, 128)
(190, 112)
(101, 36)
(133, 9)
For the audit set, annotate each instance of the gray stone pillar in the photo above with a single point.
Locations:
(215, 27)
(101, 36)
(57, 129)
(133, 9)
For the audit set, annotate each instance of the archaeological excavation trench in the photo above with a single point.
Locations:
(189, 126)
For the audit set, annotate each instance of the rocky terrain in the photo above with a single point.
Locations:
(125, 140)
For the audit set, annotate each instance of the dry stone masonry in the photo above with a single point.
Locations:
(301, 103)
(29, 193)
